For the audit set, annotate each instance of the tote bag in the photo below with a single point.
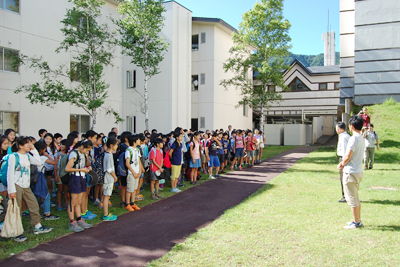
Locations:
(12, 226)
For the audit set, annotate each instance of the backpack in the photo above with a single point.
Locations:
(167, 160)
(62, 163)
(122, 170)
(187, 154)
(34, 174)
(4, 167)
(98, 167)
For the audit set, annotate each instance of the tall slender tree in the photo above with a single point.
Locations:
(260, 46)
(91, 46)
(140, 26)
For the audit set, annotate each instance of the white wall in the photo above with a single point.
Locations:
(318, 131)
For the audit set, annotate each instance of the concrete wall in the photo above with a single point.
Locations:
(318, 128)
(294, 134)
(274, 134)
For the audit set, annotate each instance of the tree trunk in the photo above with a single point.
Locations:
(262, 120)
(94, 116)
(146, 108)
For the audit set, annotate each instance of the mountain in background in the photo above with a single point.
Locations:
(310, 60)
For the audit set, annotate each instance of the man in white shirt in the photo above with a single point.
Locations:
(343, 139)
(370, 138)
(352, 167)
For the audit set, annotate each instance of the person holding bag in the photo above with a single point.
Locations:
(19, 181)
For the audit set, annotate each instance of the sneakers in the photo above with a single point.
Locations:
(342, 200)
(51, 218)
(218, 176)
(212, 177)
(26, 213)
(110, 204)
(129, 208)
(109, 218)
(231, 168)
(59, 207)
(175, 190)
(159, 196)
(20, 238)
(98, 203)
(89, 216)
(235, 166)
(41, 230)
(353, 225)
(153, 197)
(83, 224)
(135, 207)
(52, 205)
(240, 168)
(74, 227)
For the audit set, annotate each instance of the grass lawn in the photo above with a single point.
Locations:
(60, 227)
(296, 218)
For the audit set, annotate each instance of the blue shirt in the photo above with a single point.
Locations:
(220, 150)
(177, 154)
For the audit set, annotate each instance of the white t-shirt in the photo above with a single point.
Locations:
(357, 145)
(108, 165)
(22, 174)
(48, 166)
(81, 163)
(342, 144)
(42, 167)
(134, 160)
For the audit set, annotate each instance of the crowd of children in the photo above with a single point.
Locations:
(86, 168)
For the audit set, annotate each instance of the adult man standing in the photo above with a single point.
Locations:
(370, 138)
(366, 117)
(230, 130)
(341, 149)
(353, 170)
(115, 130)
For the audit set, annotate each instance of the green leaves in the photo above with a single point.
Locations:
(260, 45)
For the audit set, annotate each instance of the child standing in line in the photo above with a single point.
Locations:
(109, 176)
(19, 181)
(122, 149)
(49, 168)
(61, 187)
(220, 152)
(212, 156)
(195, 162)
(77, 184)
(257, 151)
(227, 147)
(175, 154)
(57, 140)
(132, 158)
(239, 149)
(143, 149)
(39, 188)
(262, 144)
(251, 142)
(204, 162)
(156, 168)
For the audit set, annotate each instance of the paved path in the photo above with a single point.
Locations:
(139, 237)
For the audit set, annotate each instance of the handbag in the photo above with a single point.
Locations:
(12, 226)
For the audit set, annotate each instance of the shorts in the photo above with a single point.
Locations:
(257, 152)
(239, 152)
(107, 189)
(2, 188)
(154, 177)
(221, 158)
(214, 162)
(197, 163)
(262, 145)
(132, 183)
(203, 158)
(123, 180)
(176, 171)
(250, 153)
(49, 173)
(351, 183)
(77, 184)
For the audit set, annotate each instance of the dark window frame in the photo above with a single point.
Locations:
(295, 82)
(321, 84)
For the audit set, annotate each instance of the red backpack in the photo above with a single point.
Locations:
(167, 161)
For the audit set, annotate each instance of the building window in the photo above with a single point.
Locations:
(245, 110)
(7, 57)
(10, 5)
(337, 86)
(9, 120)
(131, 124)
(195, 82)
(323, 86)
(202, 122)
(195, 42)
(79, 72)
(195, 125)
(271, 88)
(298, 85)
(202, 78)
(131, 79)
(79, 123)
(203, 38)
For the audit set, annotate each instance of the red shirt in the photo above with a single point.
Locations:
(156, 154)
(366, 119)
(249, 141)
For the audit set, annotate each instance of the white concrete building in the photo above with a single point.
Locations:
(27, 27)
(213, 107)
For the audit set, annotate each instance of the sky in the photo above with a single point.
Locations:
(309, 19)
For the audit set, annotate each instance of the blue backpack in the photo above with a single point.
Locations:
(4, 167)
(121, 166)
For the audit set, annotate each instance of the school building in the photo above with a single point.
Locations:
(185, 93)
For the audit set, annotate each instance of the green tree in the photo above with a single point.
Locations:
(260, 45)
(140, 26)
(91, 46)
